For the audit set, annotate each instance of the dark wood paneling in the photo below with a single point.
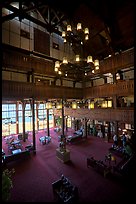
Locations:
(20, 61)
(121, 88)
(41, 42)
(11, 88)
(20, 90)
(117, 62)
(102, 114)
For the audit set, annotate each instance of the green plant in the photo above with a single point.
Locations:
(7, 184)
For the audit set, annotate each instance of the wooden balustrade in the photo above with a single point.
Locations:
(117, 62)
(24, 61)
(18, 90)
(102, 114)
(14, 89)
(121, 88)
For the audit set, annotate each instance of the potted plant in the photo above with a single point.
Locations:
(7, 184)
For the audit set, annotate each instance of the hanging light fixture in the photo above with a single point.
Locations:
(77, 36)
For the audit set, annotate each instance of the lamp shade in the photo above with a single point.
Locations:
(68, 27)
(59, 105)
(96, 62)
(104, 104)
(86, 37)
(57, 64)
(91, 105)
(56, 69)
(77, 58)
(48, 105)
(59, 72)
(89, 59)
(65, 61)
(86, 31)
(79, 26)
(74, 105)
(63, 34)
(96, 67)
(109, 104)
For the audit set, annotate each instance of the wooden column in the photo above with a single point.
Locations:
(66, 123)
(37, 119)
(17, 125)
(114, 101)
(63, 122)
(116, 127)
(48, 128)
(23, 115)
(33, 119)
(114, 78)
(53, 120)
(86, 127)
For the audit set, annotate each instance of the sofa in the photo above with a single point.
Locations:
(99, 166)
(14, 157)
(74, 138)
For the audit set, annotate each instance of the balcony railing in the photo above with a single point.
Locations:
(12, 89)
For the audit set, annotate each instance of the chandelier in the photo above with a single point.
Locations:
(79, 65)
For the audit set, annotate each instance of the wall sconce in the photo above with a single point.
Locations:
(104, 104)
(59, 105)
(91, 105)
(74, 105)
(48, 105)
(109, 104)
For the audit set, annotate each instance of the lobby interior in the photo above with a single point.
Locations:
(47, 93)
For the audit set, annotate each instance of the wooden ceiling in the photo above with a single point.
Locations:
(111, 23)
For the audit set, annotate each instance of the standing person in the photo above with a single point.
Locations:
(115, 139)
(124, 139)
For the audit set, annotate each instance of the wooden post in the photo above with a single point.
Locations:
(48, 128)
(33, 119)
(23, 115)
(63, 122)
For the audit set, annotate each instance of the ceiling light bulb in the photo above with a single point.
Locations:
(86, 31)
(57, 64)
(59, 72)
(56, 69)
(86, 37)
(79, 26)
(89, 59)
(96, 62)
(63, 34)
(68, 27)
(77, 58)
(65, 61)
(96, 67)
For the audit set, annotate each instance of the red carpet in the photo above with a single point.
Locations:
(33, 177)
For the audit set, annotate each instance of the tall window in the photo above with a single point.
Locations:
(20, 118)
(8, 119)
(42, 116)
(28, 118)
